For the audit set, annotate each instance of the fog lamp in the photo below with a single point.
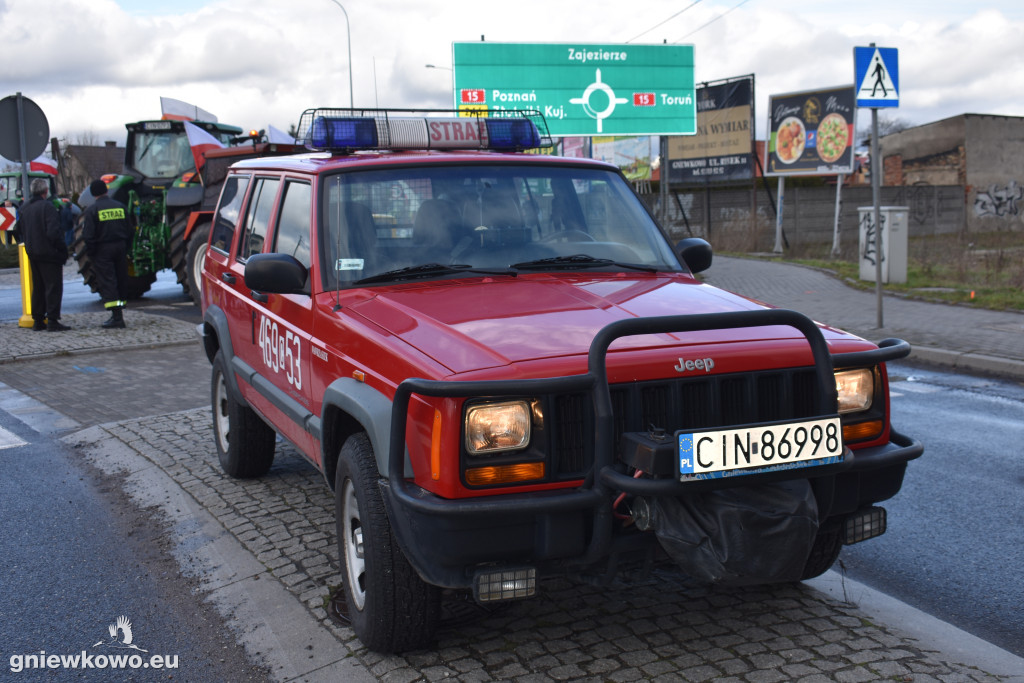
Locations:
(495, 427)
(505, 584)
(864, 524)
(856, 389)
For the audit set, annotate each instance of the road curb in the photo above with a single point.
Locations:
(971, 362)
(276, 630)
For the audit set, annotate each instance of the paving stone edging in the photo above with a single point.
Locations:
(656, 629)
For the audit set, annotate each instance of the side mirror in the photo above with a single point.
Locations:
(275, 274)
(695, 253)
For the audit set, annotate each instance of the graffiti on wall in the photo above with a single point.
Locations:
(999, 202)
(869, 245)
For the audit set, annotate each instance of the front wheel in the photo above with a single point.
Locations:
(825, 551)
(392, 609)
(245, 443)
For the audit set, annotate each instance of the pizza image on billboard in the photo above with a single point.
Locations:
(790, 140)
(833, 137)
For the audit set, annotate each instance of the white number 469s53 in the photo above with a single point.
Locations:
(281, 352)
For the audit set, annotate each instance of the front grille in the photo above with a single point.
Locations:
(685, 403)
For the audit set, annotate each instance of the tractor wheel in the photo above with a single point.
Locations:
(245, 443)
(195, 258)
(177, 250)
(391, 608)
(85, 268)
(137, 285)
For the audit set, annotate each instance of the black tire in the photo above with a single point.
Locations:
(391, 608)
(137, 285)
(245, 443)
(177, 250)
(825, 551)
(195, 257)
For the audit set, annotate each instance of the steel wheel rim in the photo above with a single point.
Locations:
(352, 542)
(197, 268)
(221, 422)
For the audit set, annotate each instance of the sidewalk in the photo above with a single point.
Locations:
(967, 338)
(956, 336)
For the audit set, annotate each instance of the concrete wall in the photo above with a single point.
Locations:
(979, 151)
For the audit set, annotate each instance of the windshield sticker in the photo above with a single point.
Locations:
(349, 264)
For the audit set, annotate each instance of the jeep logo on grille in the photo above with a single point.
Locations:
(687, 365)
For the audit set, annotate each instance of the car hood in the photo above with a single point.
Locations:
(468, 325)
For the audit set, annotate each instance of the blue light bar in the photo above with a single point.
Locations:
(512, 134)
(344, 133)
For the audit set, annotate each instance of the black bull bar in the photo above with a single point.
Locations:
(602, 482)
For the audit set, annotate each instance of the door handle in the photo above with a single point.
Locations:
(228, 278)
(258, 296)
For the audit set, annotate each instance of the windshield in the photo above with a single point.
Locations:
(492, 217)
(162, 154)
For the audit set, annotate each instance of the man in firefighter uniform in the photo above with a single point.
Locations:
(107, 234)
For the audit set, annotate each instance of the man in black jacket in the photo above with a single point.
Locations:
(47, 253)
(107, 234)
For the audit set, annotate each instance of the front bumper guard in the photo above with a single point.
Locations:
(603, 482)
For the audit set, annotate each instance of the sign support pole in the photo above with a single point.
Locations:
(778, 215)
(839, 206)
(876, 193)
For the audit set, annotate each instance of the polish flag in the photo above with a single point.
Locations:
(43, 165)
(278, 136)
(201, 142)
(183, 111)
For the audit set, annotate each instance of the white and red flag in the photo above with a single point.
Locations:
(43, 165)
(183, 111)
(201, 142)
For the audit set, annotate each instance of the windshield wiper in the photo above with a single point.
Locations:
(579, 261)
(428, 270)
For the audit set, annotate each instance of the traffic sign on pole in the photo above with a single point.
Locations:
(588, 89)
(876, 76)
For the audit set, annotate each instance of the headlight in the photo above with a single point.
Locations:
(856, 390)
(497, 427)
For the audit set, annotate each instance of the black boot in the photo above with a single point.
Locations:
(116, 320)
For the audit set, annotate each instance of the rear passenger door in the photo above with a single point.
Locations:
(281, 322)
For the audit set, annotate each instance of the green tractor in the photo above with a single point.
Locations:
(167, 200)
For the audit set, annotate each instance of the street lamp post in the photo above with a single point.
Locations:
(348, 32)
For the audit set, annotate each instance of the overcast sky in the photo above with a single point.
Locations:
(93, 65)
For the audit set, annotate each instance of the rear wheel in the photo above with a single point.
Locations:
(195, 258)
(136, 286)
(245, 443)
(392, 609)
(177, 250)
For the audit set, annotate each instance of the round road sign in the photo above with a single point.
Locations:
(37, 130)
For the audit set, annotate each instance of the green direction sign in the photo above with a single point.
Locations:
(582, 89)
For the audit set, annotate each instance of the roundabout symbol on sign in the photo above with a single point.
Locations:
(590, 90)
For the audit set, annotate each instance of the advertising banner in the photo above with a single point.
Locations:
(811, 133)
(633, 155)
(722, 149)
(582, 89)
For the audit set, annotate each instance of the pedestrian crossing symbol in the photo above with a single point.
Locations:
(876, 76)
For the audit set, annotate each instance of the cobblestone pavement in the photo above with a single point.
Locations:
(657, 628)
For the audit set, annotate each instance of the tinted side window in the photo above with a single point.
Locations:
(293, 222)
(257, 218)
(228, 212)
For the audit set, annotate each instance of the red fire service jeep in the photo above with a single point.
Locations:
(506, 372)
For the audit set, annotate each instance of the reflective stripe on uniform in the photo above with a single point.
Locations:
(115, 304)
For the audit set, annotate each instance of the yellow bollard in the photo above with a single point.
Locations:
(26, 288)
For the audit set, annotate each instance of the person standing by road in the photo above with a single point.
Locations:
(39, 227)
(107, 233)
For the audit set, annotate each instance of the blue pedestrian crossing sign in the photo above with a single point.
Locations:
(876, 76)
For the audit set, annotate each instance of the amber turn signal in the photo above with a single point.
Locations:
(505, 474)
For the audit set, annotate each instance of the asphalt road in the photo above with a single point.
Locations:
(953, 547)
(75, 556)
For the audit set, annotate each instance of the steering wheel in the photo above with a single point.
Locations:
(568, 235)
